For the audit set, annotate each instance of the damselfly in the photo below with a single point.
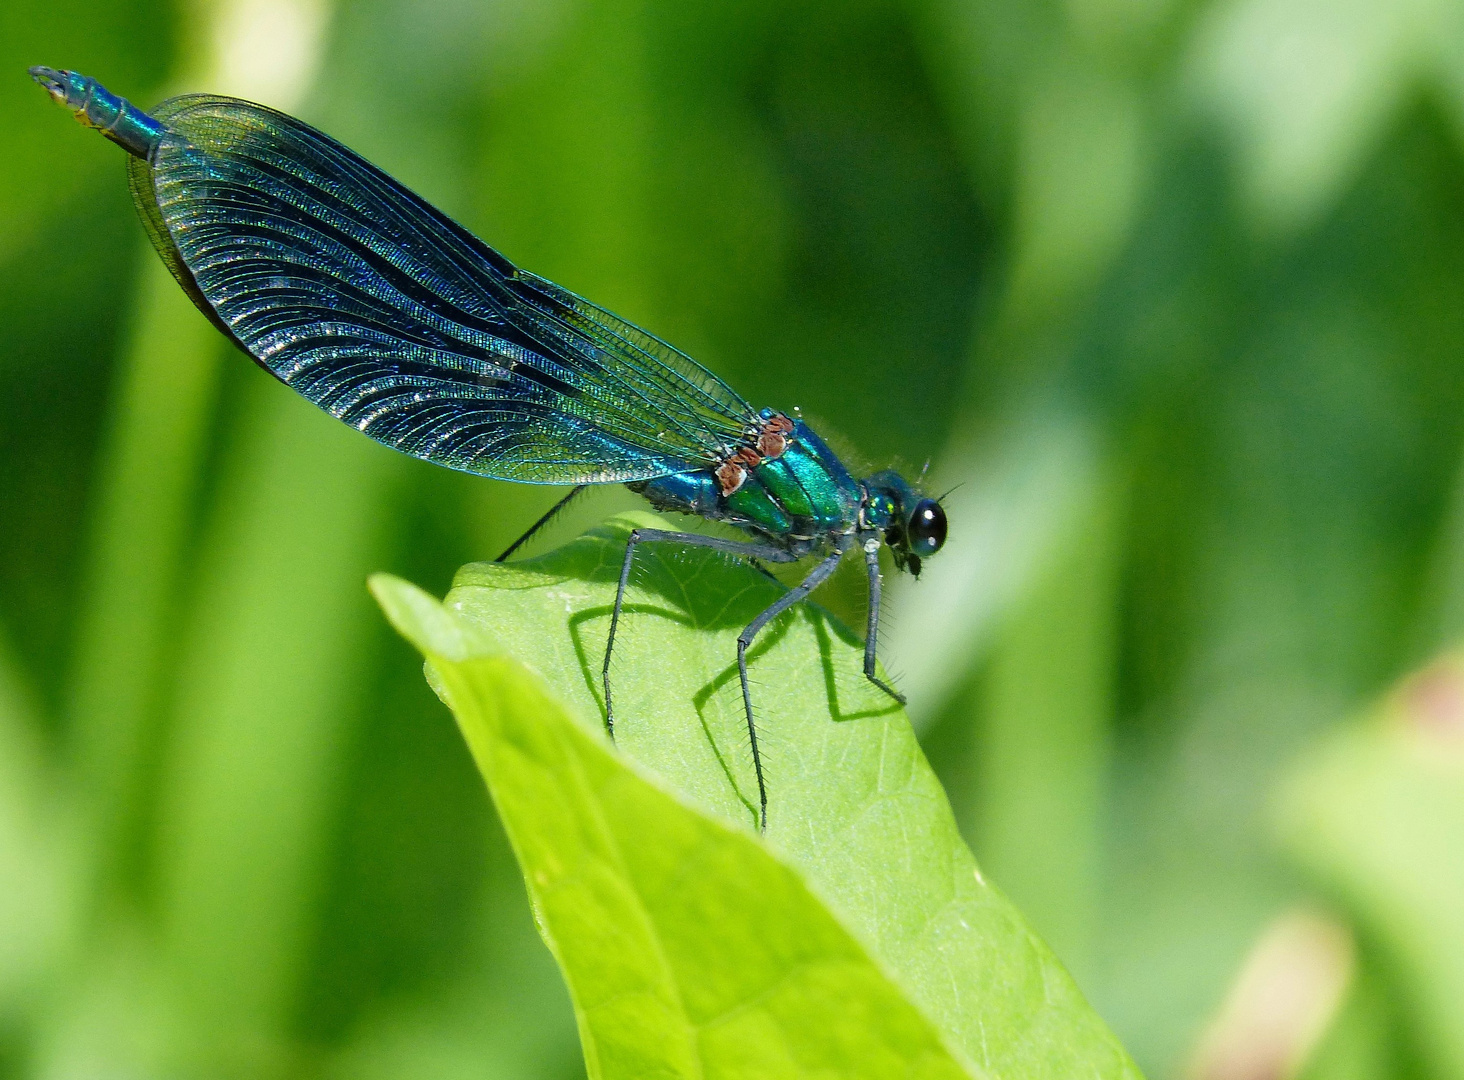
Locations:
(380, 309)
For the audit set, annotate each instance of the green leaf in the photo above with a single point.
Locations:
(857, 938)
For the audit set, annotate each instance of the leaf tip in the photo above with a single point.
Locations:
(422, 619)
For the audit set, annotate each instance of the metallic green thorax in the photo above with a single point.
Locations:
(806, 492)
(798, 499)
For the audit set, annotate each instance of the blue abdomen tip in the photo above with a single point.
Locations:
(97, 107)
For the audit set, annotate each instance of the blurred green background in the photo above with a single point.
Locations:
(1172, 289)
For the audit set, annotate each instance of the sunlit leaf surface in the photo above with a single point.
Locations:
(855, 817)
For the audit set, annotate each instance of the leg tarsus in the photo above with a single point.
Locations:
(762, 787)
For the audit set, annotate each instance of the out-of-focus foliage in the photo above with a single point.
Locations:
(1374, 815)
(1172, 290)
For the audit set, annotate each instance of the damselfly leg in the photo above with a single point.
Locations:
(742, 549)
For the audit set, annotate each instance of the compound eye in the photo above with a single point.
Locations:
(927, 528)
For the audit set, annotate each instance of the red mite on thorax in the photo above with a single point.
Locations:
(770, 442)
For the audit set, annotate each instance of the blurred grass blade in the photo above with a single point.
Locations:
(35, 898)
(856, 817)
(152, 464)
(1441, 615)
(145, 508)
(272, 675)
(1042, 748)
(1082, 160)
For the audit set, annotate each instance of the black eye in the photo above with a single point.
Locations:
(927, 528)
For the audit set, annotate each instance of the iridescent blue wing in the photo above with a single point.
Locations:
(390, 316)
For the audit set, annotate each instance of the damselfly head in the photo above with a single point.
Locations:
(914, 526)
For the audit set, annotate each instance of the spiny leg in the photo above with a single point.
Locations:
(871, 627)
(741, 548)
(817, 576)
(545, 520)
